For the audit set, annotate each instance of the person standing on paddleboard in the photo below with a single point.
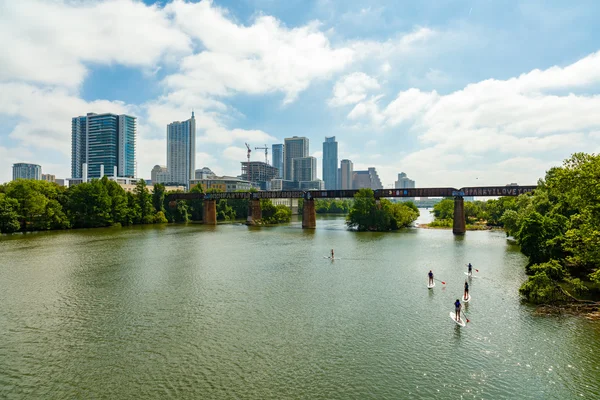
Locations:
(466, 290)
(332, 254)
(470, 269)
(430, 277)
(457, 307)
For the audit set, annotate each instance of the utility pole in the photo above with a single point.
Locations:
(266, 149)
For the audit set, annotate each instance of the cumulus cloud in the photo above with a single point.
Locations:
(522, 116)
(261, 58)
(352, 89)
(51, 42)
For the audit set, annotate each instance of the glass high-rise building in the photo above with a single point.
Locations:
(181, 151)
(277, 155)
(330, 163)
(26, 171)
(305, 169)
(105, 142)
(294, 147)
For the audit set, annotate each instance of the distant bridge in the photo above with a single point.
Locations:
(309, 214)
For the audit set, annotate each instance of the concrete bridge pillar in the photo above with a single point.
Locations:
(309, 214)
(254, 212)
(459, 226)
(210, 212)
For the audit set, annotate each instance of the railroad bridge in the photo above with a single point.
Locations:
(309, 216)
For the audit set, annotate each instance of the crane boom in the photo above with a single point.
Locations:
(266, 149)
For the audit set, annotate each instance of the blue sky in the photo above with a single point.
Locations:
(454, 93)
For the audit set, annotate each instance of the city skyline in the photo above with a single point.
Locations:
(389, 82)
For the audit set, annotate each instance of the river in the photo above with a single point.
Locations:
(236, 312)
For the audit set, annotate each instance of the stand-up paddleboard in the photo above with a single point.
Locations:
(467, 299)
(461, 322)
(470, 276)
(430, 285)
(335, 258)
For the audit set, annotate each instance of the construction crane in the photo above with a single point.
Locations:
(266, 149)
(248, 147)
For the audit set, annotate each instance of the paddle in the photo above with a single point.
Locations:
(466, 317)
(435, 279)
(476, 270)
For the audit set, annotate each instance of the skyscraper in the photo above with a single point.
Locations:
(404, 182)
(346, 173)
(27, 171)
(305, 169)
(181, 151)
(366, 179)
(330, 162)
(104, 142)
(277, 155)
(294, 147)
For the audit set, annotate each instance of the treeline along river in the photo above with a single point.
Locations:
(192, 311)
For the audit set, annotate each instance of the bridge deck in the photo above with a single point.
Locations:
(332, 194)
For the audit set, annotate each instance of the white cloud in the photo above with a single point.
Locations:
(261, 58)
(236, 154)
(45, 114)
(51, 41)
(516, 118)
(352, 89)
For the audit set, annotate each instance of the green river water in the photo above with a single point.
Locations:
(236, 312)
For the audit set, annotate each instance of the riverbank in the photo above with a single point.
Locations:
(468, 227)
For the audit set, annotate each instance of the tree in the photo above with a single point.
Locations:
(196, 207)
(369, 214)
(89, 205)
(224, 211)
(119, 208)
(144, 200)
(158, 197)
(9, 218)
(362, 215)
(444, 209)
(32, 203)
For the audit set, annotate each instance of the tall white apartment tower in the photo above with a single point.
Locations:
(181, 151)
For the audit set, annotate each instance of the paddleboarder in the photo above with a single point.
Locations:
(470, 269)
(466, 296)
(332, 254)
(430, 277)
(457, 308)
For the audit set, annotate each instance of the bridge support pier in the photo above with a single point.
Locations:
(459, 226)
(254, 212)
(209, 216)
(309, 214)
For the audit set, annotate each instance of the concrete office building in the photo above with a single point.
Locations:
(105, 143)
(159, 174)
(49, 178)
(204, 173)
(330, 162)
(277, 151)
(346, 174)
(26, 171)
(305, 169)
(366, 179)
(181, 151)
(224, 183)
(294, 147)
(404, 182)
